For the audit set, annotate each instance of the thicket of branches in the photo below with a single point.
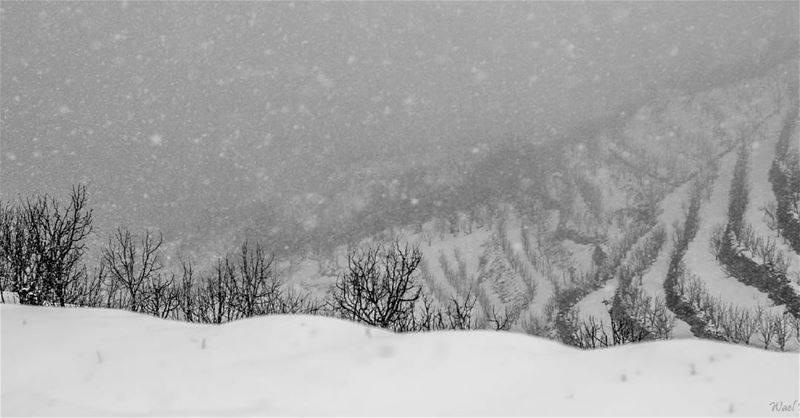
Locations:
(644, 312)
(41, 244)
(612, 266)
(747, 257)
(241, 285)
(732, 323)
(683, 235)
(380, 287)
(634, 315)
(594, 333)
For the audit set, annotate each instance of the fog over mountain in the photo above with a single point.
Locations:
(175, 113)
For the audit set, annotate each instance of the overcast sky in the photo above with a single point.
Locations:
(168, 109)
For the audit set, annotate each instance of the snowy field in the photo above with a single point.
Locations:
(93, 362)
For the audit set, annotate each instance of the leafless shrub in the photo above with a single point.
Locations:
(240, 285)
(428, 317)
(717, 240)
(764, 250)
(739, 324)
(133, 263)
(651, 314)
(187, 295)
(378, 287)
(297, 302)
(252, 285)
(457, 315)
(87, 290)
(782, 329)
(499, 321)
(215, 299)
(588, 334)
(41, 244)
(727, 321)
(625, 330)
(161, 297)
(114, 297)
(766, 328)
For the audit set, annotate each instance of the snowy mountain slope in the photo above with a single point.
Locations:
(673, 209)
(531, 247)
(664, 146)
(762, 154)
(96, 362)
(699, 259)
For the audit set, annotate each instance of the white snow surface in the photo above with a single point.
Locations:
(93, 362)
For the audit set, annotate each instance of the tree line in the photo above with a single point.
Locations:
(43, 243)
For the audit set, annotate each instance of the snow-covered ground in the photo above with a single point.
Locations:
(105, 362)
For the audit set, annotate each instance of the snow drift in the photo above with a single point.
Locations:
(105, 362)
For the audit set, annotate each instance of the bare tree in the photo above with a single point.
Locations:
(457, 315)
(783, 329)
(133, 263)
(297, 302)
(500, 321)
(741, 322)
(428, 317)
(215, 303)
(19, 263)
(254, 289)
(766, 327)
(378, 287)
(625, 330)
(160, 296)
(41, 244)
(589, 334)
(88, 290)
(187, 298)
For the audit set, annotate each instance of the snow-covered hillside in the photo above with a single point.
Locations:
(106, 362)
(558, 243)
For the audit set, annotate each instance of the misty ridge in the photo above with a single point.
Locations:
(520, 166)
(279, 208)
(198, 119)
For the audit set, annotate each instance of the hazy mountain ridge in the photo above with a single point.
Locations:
(352, 201)
(536, 248)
